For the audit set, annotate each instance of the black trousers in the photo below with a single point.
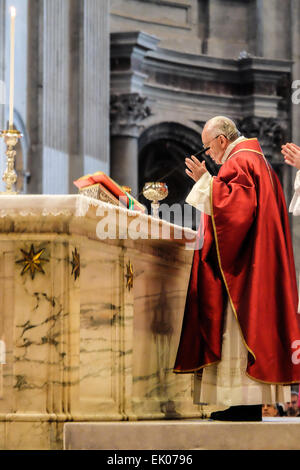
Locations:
(239, 413)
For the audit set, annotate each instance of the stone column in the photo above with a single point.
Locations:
(2, 145)
(76, 99)
(127, 112)
(2, 83)
(89, 89)
(68, 92)
(96, 86)
(128, 107)
(55, 97)
(2, 62)
(35, 96)
(124, 163)
(48, 95)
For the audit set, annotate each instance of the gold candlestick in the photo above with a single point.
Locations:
(11, 138)
(155, 191)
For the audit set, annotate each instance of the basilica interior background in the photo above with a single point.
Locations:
(125, 87)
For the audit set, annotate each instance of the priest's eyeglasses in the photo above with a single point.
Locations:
(208, 145)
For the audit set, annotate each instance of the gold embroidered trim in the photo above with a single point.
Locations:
(177, 371)
(268, 168)
(221, 269)
(271, 383)
(259, 153)
(247, 150)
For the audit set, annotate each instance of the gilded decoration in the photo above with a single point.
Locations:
(129, 276)
(32, 261)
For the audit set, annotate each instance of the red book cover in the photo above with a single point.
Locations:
(115, 189)
(110, 184)
(84, 181)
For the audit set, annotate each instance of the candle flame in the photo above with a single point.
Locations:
(13, 12)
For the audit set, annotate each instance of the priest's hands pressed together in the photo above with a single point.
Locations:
(291, 153)
(195, 168)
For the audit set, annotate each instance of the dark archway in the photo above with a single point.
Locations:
(162, 152)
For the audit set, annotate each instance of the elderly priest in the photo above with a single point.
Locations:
(240, 333)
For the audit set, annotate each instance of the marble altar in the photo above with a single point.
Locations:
(89, 325)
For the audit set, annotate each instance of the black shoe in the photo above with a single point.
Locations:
(239, 413)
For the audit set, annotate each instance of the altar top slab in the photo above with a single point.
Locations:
(78, 214)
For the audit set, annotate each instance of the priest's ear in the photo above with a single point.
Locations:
(223, 141)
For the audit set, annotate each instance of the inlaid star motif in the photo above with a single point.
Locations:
(129, 276)
(32, 261)
(75, 264)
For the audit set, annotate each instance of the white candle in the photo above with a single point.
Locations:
(12, 67)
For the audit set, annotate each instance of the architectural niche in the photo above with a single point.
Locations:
(162, 152)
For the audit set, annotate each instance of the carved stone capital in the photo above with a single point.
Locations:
(127, 111)
(270, 132)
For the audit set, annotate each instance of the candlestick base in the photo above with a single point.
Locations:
(8, 193)
(11, 138)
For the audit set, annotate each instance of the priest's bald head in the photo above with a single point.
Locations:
(217, 134)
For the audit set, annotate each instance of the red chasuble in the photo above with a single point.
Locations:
(246, 259)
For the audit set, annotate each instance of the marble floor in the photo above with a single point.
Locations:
(271, 434)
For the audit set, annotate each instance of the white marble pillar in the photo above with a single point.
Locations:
(55, 96)
(2, 81)
(89, 89)
(68, 92)
(34, 121)
(96, 86)
(2, 61)
(76, 98)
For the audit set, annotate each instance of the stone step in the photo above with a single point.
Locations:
(271, 434)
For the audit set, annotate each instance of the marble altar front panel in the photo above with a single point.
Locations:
(92, 332)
